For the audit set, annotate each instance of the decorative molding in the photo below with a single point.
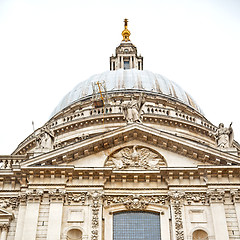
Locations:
(135, 157)
(135, 202)
(198, 197)
(77, 198)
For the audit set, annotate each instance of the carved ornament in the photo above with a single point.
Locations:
(135, 157)
(177, 201)
(96, 201)
(196, 198)
(216, 195)
(235, 193)
(57, 194)
(11, 202)
(135, 202)
(77, 198)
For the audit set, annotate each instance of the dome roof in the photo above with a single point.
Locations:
(128, 80)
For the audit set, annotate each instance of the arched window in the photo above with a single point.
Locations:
(136, 226)
(74, 234)
(200, 235)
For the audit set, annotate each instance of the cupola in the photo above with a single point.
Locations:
(126, 53)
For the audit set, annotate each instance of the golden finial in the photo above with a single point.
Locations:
(126, 33)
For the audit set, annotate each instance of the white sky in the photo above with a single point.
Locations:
(47, 47)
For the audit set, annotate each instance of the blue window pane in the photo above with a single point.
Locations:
(136, 226)
(126, 65)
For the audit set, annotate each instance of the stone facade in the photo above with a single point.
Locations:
(140, 152)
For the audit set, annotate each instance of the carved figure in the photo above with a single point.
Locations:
(224, 136)
(135, 157)
(132, 110)
(45, 138)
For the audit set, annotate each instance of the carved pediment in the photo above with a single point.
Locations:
(135, 157)
(141, 134)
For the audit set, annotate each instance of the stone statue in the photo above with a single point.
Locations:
(45, 138)
(224, 136)
(132, 110)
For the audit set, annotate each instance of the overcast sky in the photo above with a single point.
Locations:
(47, 47)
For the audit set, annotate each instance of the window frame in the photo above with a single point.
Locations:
(162, 210)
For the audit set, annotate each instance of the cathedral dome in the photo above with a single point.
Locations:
(130, 80)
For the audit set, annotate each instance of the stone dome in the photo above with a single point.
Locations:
(128, 80)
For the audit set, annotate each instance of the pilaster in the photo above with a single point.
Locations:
(236, 201)
(20, 218)
(34, 198)
(4, 231)
(56, 198)
(176, 200)
(216, 198)
(96, 203)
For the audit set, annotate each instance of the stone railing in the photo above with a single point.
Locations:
(116, 110)
(7, 162)
(147, 109)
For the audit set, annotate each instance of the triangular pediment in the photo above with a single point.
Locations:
(97, 149)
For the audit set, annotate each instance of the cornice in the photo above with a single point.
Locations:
(141, 132)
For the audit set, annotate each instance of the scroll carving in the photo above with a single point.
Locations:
(133, 157)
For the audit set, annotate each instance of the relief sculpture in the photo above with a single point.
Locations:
(133, 157)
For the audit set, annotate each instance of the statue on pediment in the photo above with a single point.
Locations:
(135, 157)
(224, 136)
(45, 138)
(132, 110)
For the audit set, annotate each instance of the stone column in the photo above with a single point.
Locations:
(122, 64)
(176, 201)
(4, 232)
(20, 218)
(131, 62)
(56, 198)
(34, 198)
(216, 198)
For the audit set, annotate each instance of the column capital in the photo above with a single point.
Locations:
(4, 226)
(176, 197)
(216, 195)
(235, 193)
(57, 195)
